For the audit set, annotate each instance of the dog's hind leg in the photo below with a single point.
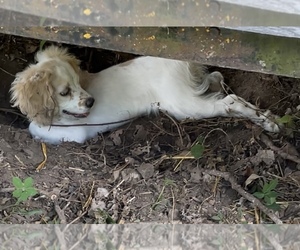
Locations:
(234, 106)
(215, 105)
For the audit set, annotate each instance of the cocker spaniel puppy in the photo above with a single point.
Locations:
(64, 103)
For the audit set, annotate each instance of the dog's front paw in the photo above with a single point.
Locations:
(269, 123)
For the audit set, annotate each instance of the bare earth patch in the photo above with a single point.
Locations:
(144, 171)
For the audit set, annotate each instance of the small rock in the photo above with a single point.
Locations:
(28, 152)
(146, 170)
(130, 175)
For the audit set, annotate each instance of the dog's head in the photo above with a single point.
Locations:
(51, 90)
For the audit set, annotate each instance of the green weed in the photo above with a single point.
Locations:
(23, 190)
(198, 148)
(268, 195)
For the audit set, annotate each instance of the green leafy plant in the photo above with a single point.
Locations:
(167, 182)
(23, 189)
(103, 217)
(198, 148)
(289, 123)
(268, 195)
(42, 43)
(286, 119)
(219, 217)
(218, 242)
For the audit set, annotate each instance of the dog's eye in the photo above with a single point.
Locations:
(65, 92)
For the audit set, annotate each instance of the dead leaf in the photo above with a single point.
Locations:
(130, 175)
(267, 156)
(101, 192)
(98, 202)
(140, 150)
(115, 136)
(116, 174)
(140, 133)
(290, 149)
(129, 160)
(248, 171)
(4, 200)
(196, 175)
(251, 178)
(28, 152)
(31, 48)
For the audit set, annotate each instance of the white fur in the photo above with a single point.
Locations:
(129, 90)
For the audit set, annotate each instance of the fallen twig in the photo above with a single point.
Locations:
(60, 213)
(79, 241)
(272, 240)
(279, 151)
(6, 72)
(89, 199)
(12, 111)
(228, 177)
(61, 238)
(73, 221)
(176, 124)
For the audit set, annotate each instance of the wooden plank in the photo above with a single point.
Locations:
(219, 47)
(159, 12)
(285, 6)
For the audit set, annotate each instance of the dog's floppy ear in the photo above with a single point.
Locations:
(32, 92)
(54, 52)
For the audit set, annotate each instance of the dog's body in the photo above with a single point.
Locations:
(55, 92)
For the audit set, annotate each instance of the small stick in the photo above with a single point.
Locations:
(61, 238)
(268, 235)
(279, 151)
(175, 123)
(60, 213)
(6, 72)
(246, 195)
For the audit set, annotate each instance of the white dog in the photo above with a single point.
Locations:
(67, 104)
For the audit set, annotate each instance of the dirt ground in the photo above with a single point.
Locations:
(144, 171)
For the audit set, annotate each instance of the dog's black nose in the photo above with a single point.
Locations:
(89, 102)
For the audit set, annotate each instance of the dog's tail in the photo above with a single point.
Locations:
(205, 84)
